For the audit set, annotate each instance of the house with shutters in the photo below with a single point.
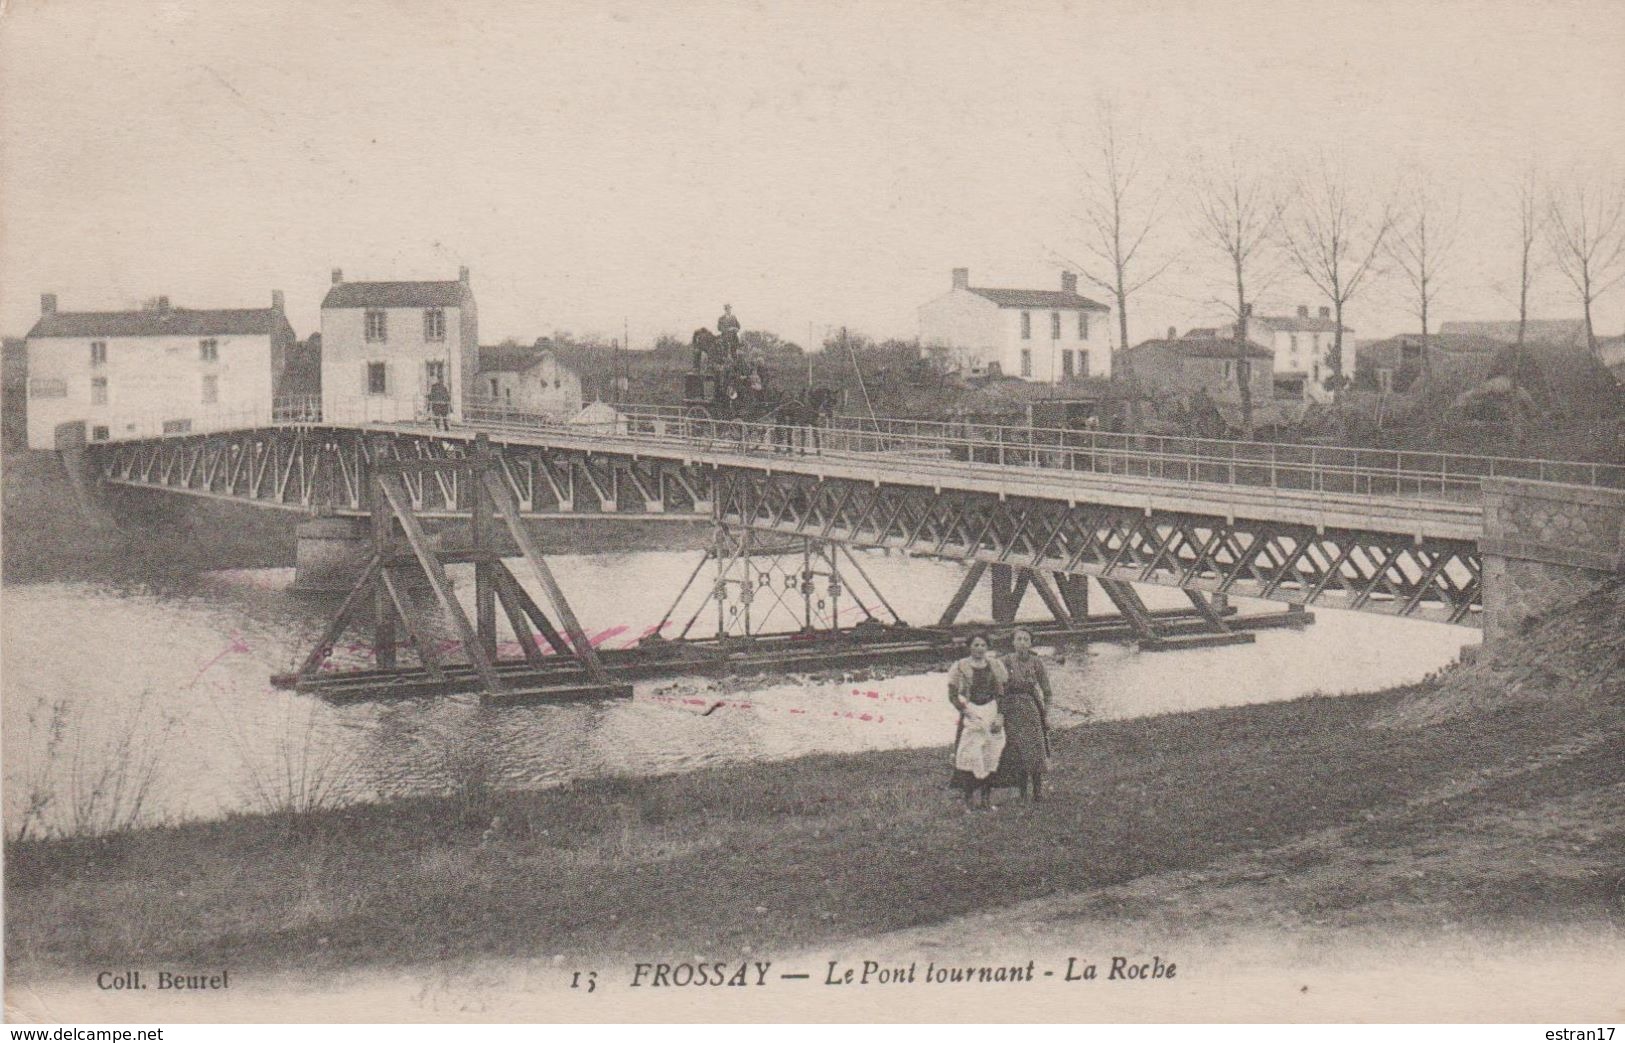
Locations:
(385, 344)
(106, 375)
(1046, 336)
(1302, 346)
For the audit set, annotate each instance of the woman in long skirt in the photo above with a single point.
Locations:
(1024, 706)
(975, 685)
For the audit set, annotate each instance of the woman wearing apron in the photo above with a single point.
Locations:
(975, 686)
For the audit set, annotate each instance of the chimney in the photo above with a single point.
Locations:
(1069, 282)
(276, 300)
(1173, 333)
(47, 304)
(1303, 311)
(338, 276)
(1325, 313)
(961, 278)
(462, 275)
(163, 304)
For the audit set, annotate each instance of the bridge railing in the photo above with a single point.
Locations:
(944, 446)
(1279, 465)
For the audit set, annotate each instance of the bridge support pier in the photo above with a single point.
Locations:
(330, 554)
(1545, 545)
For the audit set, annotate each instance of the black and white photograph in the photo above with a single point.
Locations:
(753, 511)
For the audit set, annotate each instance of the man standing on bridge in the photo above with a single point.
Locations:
(440, 405)
(728, 330)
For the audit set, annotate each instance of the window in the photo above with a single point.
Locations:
(377, 325)
(434, 324)
(98, 353)
(42, 388)
(1294, 344)
(1026, 361)
(98, 433)
(211, 389)
(1054, 325)
(98, 390)
(1066, 365)
(1083, 325)
(434, 372)
(1026, 325)
(377, 381)
(494, 392)
(177, 427)
(1227, 370)
(1385, 380)
(208, 350)
(1083, 363)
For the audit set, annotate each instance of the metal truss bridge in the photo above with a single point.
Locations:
(1376, 531)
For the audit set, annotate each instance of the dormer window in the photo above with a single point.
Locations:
(377, 325)
(434, 324)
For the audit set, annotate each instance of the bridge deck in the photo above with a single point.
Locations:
(1455, 513)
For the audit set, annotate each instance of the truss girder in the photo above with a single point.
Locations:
(1370, 571)
(327, 470)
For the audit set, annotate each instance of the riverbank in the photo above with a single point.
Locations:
(157, 535)
(1489, 798)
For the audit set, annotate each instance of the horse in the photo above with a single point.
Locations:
(705, 345)
(802, 414)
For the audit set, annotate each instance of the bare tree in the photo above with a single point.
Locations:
(1238, 215)
(1529, 229)
(1421, 245)
(1334, 238)
(1119, 211)
(1585, 227)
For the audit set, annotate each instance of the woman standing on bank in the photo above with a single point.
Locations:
(976, 685)
(1025, 709)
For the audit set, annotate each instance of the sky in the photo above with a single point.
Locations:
(601, 166)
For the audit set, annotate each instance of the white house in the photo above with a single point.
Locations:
(384, 344)
(1047, 336)
(530, 380)
(1302, 344)
(107, 375)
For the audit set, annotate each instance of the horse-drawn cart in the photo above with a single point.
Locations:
(729, 401)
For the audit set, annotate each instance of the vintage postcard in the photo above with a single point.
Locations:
(765, 511)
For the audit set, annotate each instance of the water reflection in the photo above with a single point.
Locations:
(196, 659)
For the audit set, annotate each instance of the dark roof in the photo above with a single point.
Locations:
(451, 294)
(1449, 342)
(1302, 324)
(1547, 331)
(1037, 299)
(173, 322)
(510, 358)
(1202, 348)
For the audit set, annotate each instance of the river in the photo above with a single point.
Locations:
(110, 685)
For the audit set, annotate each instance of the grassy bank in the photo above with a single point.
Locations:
(1503, 809)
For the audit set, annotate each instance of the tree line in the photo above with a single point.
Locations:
(1322, 227)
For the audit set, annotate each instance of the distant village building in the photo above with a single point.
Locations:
(385, 344)
(95, 375)
(530, 380)
(1302, 346)
(1202, 362)
(1047, 336)
(1559, 333)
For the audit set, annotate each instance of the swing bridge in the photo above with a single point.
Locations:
(1029, 512)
